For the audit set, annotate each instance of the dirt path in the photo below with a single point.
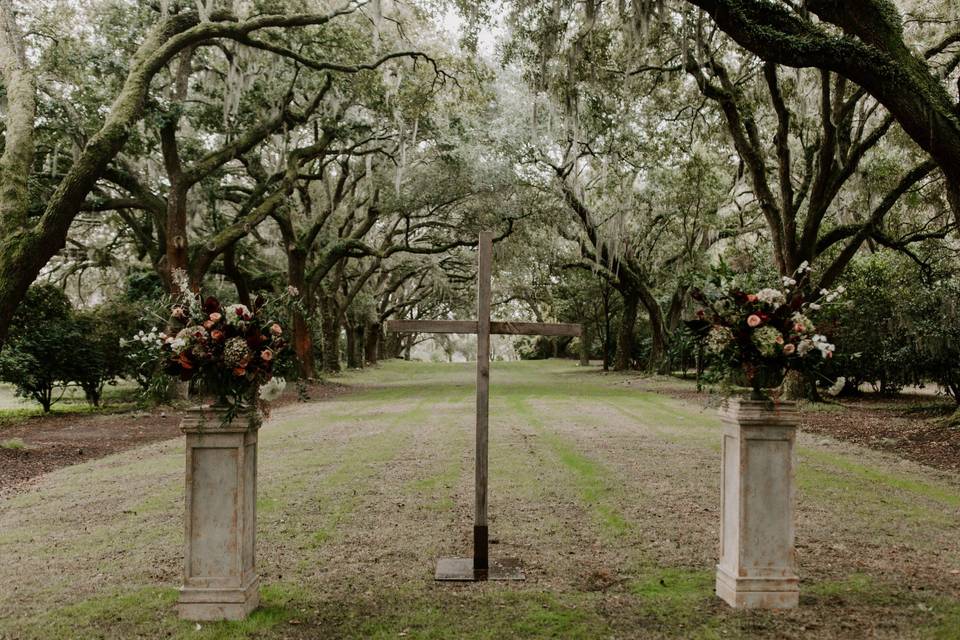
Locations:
(607, 494)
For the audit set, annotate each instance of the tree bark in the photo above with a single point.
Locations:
(872, 53)
(585, 338)
(352, 346)
(625, 337)
(302, 331)
(372, 342)
(330, 331)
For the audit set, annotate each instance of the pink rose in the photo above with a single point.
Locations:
(276, 329)
(779, 339)
(753, 320)
(215, 317)
(266, 355)
(751, 297)
(788, 349)
(798, 327)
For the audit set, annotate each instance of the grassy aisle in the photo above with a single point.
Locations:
(609, 495)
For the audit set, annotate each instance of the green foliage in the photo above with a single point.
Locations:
(98, 356)
(898, 326)
(39, 354)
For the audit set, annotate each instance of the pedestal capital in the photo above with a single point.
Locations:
(212, 419)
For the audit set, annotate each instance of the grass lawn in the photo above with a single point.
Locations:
(607, 492)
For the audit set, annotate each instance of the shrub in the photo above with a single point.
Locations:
(99, 355)
(39, 354)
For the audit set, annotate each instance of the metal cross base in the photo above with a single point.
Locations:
(461, 570)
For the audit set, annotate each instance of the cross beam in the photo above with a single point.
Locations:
(496, 328)
(480, 567)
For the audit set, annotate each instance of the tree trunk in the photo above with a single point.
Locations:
(239, 279)
(585, 347)
(352, 346)
(302, 332)
(330, 330)
(372, 342)
(390, 346)
(625, 337)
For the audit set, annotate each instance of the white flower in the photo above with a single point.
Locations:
(773, 297)
(824, 292)
(814, 306)
(293, 291)
(841, 289)
(804, 347)
(837, 386)
(177, 344)
(804, 266)
(788, 281)
(273, 389)
(123, 342)
(820, 344)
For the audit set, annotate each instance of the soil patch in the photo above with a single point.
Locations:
(59, 440)
(911, 426)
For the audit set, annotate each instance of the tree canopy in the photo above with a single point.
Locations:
(350, 152)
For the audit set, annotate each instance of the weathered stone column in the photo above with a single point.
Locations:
(757, 559)
(220, 580)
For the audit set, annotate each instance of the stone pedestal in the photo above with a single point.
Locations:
(220, 580)
(757, 559)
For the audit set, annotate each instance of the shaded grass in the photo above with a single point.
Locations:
(147, 612)
(490, 616)
(595, 484)
(14, 444)
(10, 417)
(946, 495)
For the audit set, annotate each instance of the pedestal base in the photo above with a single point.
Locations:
(757, 593)
(210, 604)
(461, 570)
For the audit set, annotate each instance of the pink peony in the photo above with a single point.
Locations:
(788, 349)
(215, 317)
(276, 329)
(753, 320)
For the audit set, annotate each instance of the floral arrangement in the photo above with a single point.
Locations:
(224, 351)
(761, 334)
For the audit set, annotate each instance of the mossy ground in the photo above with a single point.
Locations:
(608, 494)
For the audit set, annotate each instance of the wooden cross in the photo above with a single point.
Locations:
(480, 567)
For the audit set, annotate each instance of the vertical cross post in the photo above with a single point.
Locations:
(480, 567)
(480, 532)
